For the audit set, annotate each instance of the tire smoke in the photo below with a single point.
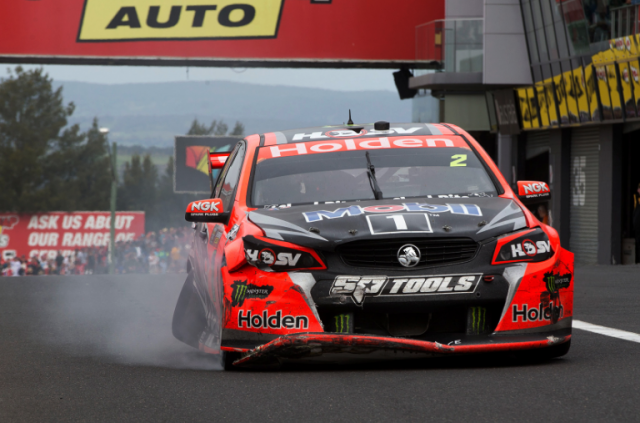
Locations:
(124, 319)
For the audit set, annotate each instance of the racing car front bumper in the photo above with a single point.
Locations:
(332, 347)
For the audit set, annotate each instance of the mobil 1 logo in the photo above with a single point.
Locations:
(393, 223)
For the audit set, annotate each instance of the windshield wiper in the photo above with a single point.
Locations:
(373, 182)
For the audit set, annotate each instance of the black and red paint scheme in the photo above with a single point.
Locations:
(313, 281)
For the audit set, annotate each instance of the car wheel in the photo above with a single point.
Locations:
(543, 354)
(228, 358)
(555, 351)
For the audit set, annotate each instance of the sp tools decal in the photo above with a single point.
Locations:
(468, 209)
(128, 20)
(243, 291)
(359, 287)
(274, 321)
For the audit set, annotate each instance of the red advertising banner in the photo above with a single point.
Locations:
(330, 33)
(46, 233)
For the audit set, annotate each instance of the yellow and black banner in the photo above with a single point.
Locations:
(606, 89)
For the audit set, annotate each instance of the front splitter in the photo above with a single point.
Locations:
(316, 345)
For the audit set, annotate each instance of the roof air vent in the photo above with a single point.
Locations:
(381, 126)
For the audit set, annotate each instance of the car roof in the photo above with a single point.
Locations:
(366, 130)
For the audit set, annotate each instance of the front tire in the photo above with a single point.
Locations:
(228, 358)
(189, 318)
(555, 351)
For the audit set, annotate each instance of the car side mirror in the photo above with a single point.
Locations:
(209, 210)
(533, 191)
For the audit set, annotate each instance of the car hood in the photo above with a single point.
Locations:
(325, 226)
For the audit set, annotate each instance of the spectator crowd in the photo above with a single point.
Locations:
(156, 252)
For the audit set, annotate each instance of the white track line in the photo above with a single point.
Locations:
(603, 330)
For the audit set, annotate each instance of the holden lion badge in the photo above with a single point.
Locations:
(409, 255)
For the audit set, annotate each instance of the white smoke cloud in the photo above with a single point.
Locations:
(124, 319)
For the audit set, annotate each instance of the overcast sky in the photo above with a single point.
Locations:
(333, 79)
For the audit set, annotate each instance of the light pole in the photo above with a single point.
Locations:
(114, 190)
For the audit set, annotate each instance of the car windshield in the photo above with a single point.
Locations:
(400, 173)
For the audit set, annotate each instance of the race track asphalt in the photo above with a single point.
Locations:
(99, 349)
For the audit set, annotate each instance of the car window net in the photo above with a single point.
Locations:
(306, 179)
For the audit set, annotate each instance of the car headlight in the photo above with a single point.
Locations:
(531, 245)
(279, 256)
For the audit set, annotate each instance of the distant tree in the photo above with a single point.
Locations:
(138, 190)
(198, 128)
(171, 204)
(216, 128)
(77, 172)
(238, 130)
(42, 166)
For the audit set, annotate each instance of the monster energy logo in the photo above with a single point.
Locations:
(478, 323)
(556, 282)
(242, 291)
(343, 323)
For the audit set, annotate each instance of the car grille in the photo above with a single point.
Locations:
(383, 252)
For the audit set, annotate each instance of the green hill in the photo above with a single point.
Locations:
(151, 114)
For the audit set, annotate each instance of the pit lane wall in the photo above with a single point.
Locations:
(46, 233)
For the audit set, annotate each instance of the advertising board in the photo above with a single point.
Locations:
(46, 233)
(331, 33)
(191, 167)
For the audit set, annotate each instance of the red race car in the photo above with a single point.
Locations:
(370, 241)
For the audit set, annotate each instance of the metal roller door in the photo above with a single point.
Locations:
(585, 151)
(538, 142)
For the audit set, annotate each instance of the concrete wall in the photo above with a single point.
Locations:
(455, 9)
(467, 111)
(560, 162)
(506, 59)
(610, 195)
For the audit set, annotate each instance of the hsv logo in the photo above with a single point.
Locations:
(529, 245)
(359, 287)
(333, 145)
(268, 257)
(350, 133)
(528, 248)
